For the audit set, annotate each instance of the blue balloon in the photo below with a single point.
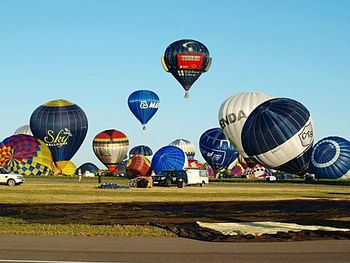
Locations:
(216, 149)
(330, 158)
(168, 158)
(143, 104)
(279, 134)
(141, 149)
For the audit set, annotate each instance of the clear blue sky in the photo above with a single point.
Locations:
(95, 53)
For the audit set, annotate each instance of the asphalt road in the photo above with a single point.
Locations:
(99, 249)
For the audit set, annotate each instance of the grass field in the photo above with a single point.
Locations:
(68, 190)
(48, 190)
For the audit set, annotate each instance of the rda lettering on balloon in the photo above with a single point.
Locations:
(306, 135)
(232, 118)
(151, 105)
(57, 139)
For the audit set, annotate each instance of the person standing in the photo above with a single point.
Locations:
(99, 175)
(80, 175)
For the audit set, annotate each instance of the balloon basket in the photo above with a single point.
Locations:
(187, 95)
(144, 127)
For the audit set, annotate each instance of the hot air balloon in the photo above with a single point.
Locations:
(279, 135)
(186, 60)
(62, 125)
(216, 149)
(187, 147)
(67, 167)
(111, 147)
(195, 164)
(138, 165)
(330, 158)
(143, 104)
(140, 149)
(258, 172)
(25, 129)
(87, 167)
(168, 158)
(233, 113)
(26, 155)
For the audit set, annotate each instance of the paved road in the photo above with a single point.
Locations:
(92, 249)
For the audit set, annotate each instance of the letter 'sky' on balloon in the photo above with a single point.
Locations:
(143, 104)
(62, 125)
(186, 60)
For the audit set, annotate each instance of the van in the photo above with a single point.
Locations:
(197, 176)
(182, 177)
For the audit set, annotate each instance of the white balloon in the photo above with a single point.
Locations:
(25, 129)
(186, 146)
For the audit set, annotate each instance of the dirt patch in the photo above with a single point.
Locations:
(181, 217)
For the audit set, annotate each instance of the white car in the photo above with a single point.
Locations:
(10, 179)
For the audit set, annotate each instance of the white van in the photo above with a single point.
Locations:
(197, 176)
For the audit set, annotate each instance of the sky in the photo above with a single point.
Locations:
(95, 53)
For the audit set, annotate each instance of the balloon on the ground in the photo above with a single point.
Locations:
(143, 104)
(279, 134)
(25, 129)
(138, 165)
(87, 167)
(187, 147)
(237, 170)
(233, 113)
(66, 167)
(330, 158)
(216, 149)
(195, 164)
(186, 60)
(62, 125)
(141, 149)
(111, 147)
(168, 158)
(26, 155)
(257, 172)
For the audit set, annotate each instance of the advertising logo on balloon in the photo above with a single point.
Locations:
(216, 157)
(151, 105)
(232, 118)
(306, 136)
(58, 139)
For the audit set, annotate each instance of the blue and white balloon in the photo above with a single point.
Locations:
(330, 158)
(216, 149)
(279, 135)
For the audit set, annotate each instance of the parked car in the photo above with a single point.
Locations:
(180, 178)
(10, 179)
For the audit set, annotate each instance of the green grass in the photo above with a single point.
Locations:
(15, 226)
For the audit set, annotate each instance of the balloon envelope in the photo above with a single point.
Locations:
(138, 165)
(141, 149)
(25, 129)
(234, 112)
(62, 125)
(143, 104)
(279, 134)
(186, 146)
(186, 60)
(168, 158)
(330, 158)
(26, 155)
(87, 167)
(111, 147)
(216, 149)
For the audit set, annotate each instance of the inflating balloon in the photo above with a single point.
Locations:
(330, 158)
(111, 147)
(141, 149)
(168, 158)
(143, 104)
(257, 172)
(187, 147)
(138, 165)
(25, 129)
(87, 167)
(233, 113)
(62, 125)
(186, 60)
(66, 167)
(279, 135)
(216, 149)
(26, 155)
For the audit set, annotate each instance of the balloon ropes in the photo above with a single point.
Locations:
(143, 104)
(62, 125)
(186, 60)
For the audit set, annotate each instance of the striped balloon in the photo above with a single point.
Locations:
(111, 147)
(168, 158)
(138, 165)
(25, 129)
(140, 149)
(330, 158)
(62, 125)
(279, 134)
(187, 147)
